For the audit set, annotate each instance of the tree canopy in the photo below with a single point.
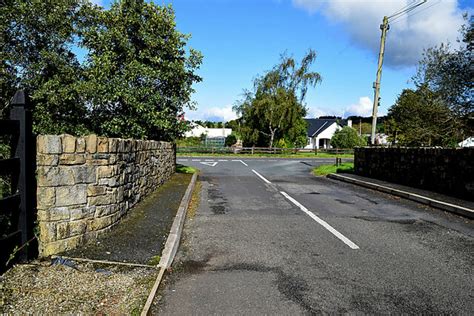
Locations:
(440, 110)
(449, 74)
(420, 118)
(134, 81)
(347, 137)
(37, 56)
(274, 109)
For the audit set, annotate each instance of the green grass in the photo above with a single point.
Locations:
(298, 155)
(324, 170)
(185, 169)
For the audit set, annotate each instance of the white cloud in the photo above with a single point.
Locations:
(314, 112)
(214, 114)
(363, 108)
(437, 21)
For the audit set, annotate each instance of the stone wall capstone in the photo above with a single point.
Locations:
(447, 171)
(86, 184)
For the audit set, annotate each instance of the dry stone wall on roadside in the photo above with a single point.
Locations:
(448, 171)
(86, 184)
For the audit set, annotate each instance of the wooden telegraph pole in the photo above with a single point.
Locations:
(384, 27)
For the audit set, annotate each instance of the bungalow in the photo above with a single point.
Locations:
(197, 130)
(320, 132)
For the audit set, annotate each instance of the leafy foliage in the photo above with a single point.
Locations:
(37, 56)
(420, 118)
(347, 137)
(189, 142)
(230, 140)
(449, 74)
(274, 110)
(138, 77)
(135, 80)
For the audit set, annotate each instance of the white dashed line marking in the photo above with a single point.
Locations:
(261, 177)
(244, 163)
(333, 231)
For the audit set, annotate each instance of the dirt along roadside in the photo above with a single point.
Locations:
(64, 285)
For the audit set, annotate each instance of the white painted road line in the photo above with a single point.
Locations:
(261, 177)
(222, 160)
(244, 163)
(196, 160)
(208, 159)
(182, 159)
(343, 238)
(209, 163)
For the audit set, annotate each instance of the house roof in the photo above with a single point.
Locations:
(317, 126)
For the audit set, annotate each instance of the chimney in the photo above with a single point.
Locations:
(349, 123)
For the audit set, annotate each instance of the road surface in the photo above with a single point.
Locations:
(270, 238)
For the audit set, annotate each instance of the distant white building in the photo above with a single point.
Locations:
(197, 130)
(320, 132)
(468, 142)
(381, 139)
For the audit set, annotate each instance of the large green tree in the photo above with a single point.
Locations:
(36, 55)
(347, 137)
(449, 74)
(420, 118)
(274, 109)
(139, 75)
(134, 81)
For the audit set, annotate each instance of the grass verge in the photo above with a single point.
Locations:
(185, 169)
(323, 170)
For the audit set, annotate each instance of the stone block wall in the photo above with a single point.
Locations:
(86, 184)
(447, 171)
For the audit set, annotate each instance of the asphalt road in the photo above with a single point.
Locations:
(270, 238)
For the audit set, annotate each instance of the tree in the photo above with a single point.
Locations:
(36, 55)
(138, 77)
(274, 109)
(448, 73)
(347, 137)
(420, 118)
(230, 140)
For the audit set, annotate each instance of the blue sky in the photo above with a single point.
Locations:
(243, 38)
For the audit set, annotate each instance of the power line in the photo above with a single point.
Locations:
(384, 27)
(405, 7)
(408, 9)
(415, 13)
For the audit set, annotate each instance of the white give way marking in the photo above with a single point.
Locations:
(208, 163)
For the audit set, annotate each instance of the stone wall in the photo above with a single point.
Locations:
(447, 171)
(86, 184)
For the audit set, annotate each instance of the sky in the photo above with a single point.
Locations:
(241, 39)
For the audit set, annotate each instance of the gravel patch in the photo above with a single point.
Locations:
(77, 288)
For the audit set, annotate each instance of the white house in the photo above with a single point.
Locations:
(468, 142)
(197, 130)
(320, 132)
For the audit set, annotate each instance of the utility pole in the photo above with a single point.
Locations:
(384, 27)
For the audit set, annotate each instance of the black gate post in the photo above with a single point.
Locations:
(25, 149)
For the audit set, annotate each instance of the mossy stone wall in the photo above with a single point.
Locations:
(86, 184)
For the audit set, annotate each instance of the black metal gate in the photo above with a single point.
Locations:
(18, 199)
